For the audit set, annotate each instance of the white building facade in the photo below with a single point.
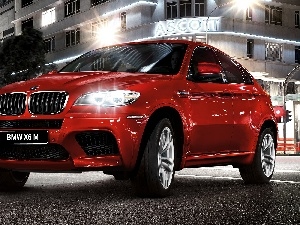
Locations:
(7, 15)
(264, 37)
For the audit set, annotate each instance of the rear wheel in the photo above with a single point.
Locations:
(13, 180)
(262, 168)
(156, 171)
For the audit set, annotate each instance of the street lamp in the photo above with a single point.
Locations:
(237, 3)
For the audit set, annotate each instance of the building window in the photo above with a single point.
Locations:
(171, 9)
(297, 54)
(97, 26)
(250, 48)
(4, 2)
(9, 31)
(48, 17)
(274, 51)
(199, 8)
(72, 37)
(249, 14)
(97, 2)
(27, 23)
(25, 3)
(185, 8)
(273, 15)
(291, 88)
(99, 64)
(49, 44)
(297, 19)
(123, 20)
(72, 7)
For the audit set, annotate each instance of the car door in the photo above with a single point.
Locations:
(211, 110)
(243, 92)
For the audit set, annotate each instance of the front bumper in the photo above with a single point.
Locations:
(122, 133)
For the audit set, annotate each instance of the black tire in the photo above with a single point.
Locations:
(149, 181)
(13, 180)
(121, 176)
(118, 175)
(261, 170)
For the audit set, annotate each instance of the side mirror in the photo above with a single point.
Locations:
(205, 68)
(208, 72)
(52, 72)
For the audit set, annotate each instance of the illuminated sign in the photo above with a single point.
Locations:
(187, 25)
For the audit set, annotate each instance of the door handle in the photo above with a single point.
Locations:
(226, 93)
(183, 94)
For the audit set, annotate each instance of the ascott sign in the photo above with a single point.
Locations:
(187, 25)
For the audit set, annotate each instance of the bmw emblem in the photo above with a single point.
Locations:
(34, 88)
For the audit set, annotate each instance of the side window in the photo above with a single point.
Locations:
(230, 68)
(200, 54)
(247, 77)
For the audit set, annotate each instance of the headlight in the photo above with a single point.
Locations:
(108, 98)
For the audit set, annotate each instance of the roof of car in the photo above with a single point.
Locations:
(164, 41)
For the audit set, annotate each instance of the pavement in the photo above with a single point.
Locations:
(208, 196)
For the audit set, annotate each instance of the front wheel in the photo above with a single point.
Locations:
(13, 180)
(156, 171)
(262, 168)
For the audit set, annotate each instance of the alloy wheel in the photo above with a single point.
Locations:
(268, 155)
(166, 157)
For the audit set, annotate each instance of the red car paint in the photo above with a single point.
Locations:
(219, 122)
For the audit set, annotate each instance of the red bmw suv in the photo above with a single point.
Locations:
(139, 111)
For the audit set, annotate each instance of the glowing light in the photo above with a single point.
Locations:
(244, 4)
(48, 17)
(107, 35)
(108, 98)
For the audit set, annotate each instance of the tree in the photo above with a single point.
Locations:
(22, 57)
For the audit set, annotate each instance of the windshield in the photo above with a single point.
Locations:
(162, 58)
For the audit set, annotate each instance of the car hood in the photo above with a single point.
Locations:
(69, 81)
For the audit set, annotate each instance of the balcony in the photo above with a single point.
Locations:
(261, 30)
